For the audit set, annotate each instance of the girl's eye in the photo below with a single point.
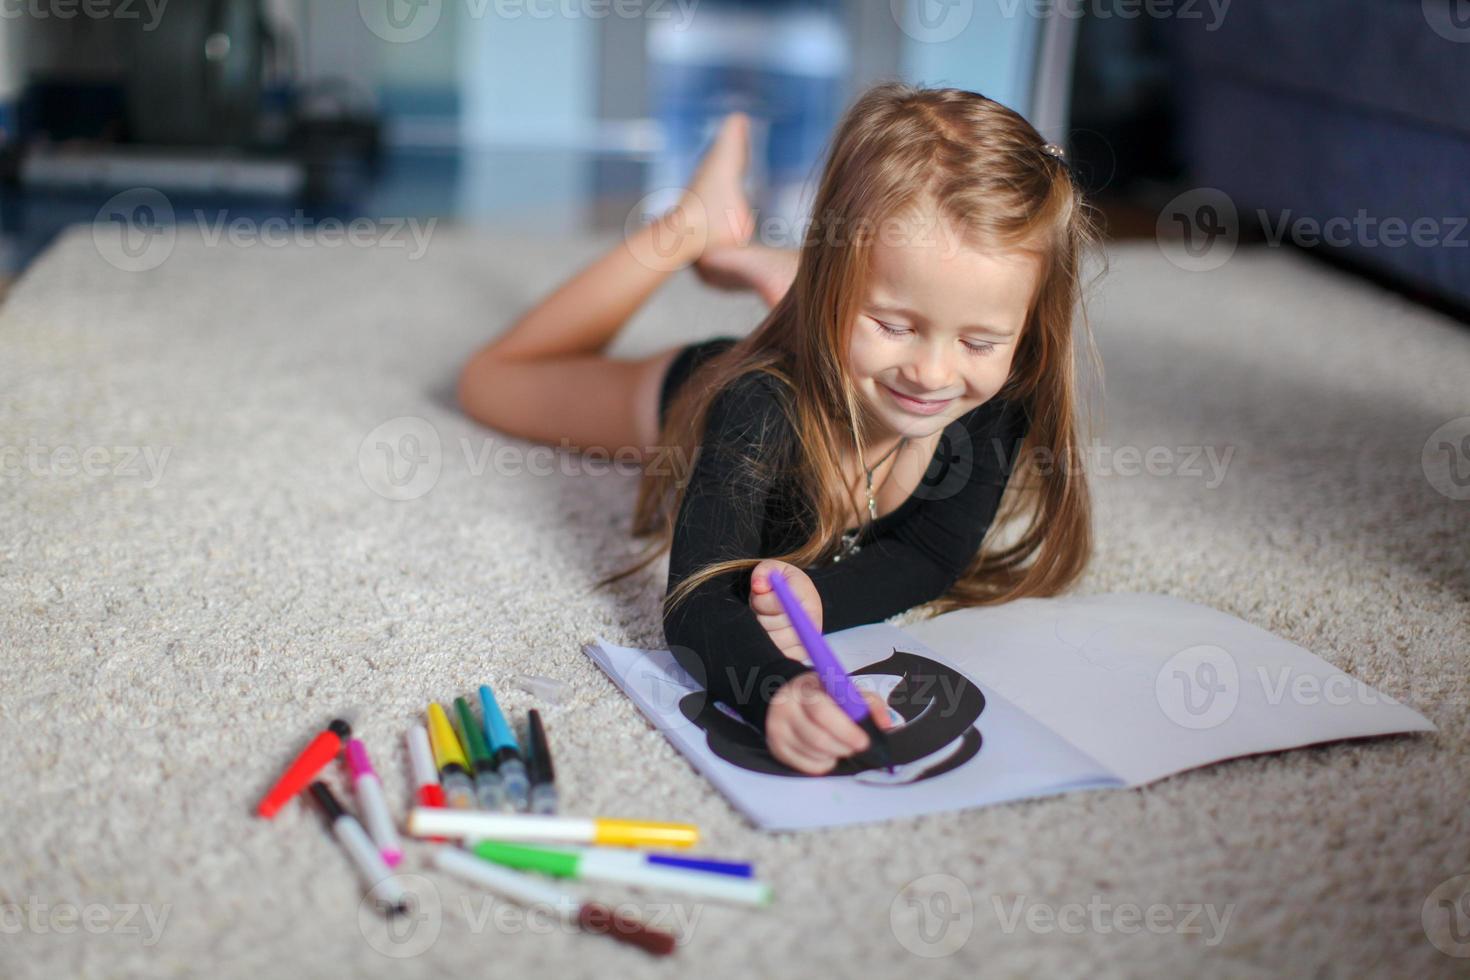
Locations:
(979, 350)
(887, 330)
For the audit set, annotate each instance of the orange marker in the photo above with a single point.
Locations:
(322, 750)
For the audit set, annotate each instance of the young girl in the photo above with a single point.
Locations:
(860, 440)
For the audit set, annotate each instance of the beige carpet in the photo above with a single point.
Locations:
(176, 625)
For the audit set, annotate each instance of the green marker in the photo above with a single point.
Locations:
(489, 790)
(628, 869)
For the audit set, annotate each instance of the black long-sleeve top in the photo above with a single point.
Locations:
(905, 558)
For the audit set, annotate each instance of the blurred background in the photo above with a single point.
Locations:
(1194, 119)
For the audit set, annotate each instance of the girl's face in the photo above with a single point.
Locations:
(936, 334)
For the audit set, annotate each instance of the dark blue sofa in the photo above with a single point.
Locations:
(1355, 110)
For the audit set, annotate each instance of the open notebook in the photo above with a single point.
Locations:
(1035, 697)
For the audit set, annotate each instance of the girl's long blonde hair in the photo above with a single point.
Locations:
(898, 150)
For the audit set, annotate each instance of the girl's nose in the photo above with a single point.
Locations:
(931, 371)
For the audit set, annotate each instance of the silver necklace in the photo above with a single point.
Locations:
(849, 538)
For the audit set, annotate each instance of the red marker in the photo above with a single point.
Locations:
(322, 750)
(425, 776)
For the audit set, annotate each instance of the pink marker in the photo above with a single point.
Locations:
(374, 804)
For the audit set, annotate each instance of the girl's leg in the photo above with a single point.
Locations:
(546, 379)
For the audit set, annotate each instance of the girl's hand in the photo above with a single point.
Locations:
(768, 611)
(807, 731)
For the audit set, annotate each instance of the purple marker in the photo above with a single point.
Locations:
(374, 805)
(829, 671)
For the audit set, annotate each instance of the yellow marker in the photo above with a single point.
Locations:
(447, 750)
(437, 822)
(454, 768)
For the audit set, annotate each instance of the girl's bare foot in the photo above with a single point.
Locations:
(716, 188)
(769, 271)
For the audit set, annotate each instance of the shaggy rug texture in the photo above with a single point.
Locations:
(206, 557)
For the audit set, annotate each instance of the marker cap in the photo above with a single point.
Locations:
(541, 769)
(638, 833)
(358, 762)
(548, 861)
(327, 800)
(470, 733)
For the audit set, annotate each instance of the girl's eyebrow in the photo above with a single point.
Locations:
(976, 328)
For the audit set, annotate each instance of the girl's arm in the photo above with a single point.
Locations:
(714, 634)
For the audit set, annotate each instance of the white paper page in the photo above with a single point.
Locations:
(1016, 757)
(1151, 685)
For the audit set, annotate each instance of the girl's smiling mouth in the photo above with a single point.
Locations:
(916, 405)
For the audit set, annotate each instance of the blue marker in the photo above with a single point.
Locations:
(736, 869)
(505, 750)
